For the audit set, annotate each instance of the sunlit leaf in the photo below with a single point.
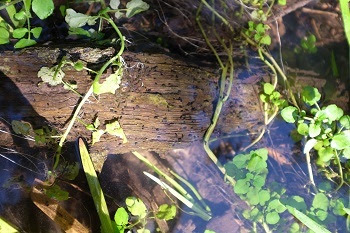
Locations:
(110, 85)
(341, 141)
(320, 201)
(121, 217)
(314, 129)
(345, 121)
(22, 43)
(76, 20)
(96, 135)
(36, 31)
(115, 129)
(19, 32)
(47, 75)
(43, 8)
(303, 129)
(289, 114)
(166, 212)
(310, 95)
(272, 218)
(136, 206)
(135, 6)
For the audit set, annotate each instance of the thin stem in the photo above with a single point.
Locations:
(218, 15)
(309, 168)
(256, 140)
(340, 171)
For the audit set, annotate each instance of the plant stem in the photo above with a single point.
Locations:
(340, 171)
(309, 168)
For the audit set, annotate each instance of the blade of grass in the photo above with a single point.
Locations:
(7, 227)
(95, 189)
(345, 11)
(311, 224)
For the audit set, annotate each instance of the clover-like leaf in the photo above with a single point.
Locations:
(341, 141)
(19, 32)
(345, 121)
(24, 42)
(110, 85)
(268, 88)
(76, 20)
(303, 129)
(310, 95)
(314, 129)
(272, 218)
(136, 207)
(48, 75)
(135, 6)
(320, 202)
(114, 4)
(241, 186)
(21, 127)
(36, 31)
(166, 212)
(333, 112)
(326, 154)
(121, 217)
(43, 8)
(240, 160)
(115, 129)
(289, 114)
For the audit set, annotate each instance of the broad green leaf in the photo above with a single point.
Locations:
(209, 231)
(321, 214)
(166, 212)
(265, 40)
(314, 130)
(79, 66)
(333, 112)
(326, 154)
(22, 43)
(21, 127)
(253, 196)
(262, 153)
(240, 160)
(289, 114)
(256, 164)
(47, 75)
(345, 121)
(135, 6)
(4, 36)
(272, 218)
(76, 20)
(79, 31)
(320, 202)
(95, 188)
(277, 206)
(311, 224)
(136, 207)
(346, 153)
(21, 15)
(96, 135)
(121, 217)
(345, 11)
(114, 4)
(338, 207)
(230, 169)
(36, 31)
(268, 88)
(310, 95)
(303, 129)
(19, 32)
(282, 2)
(259, 181)
(43, 8)
(341, 141)
(115, 129)
(56, 193)
(5, 226)
(264, 196)
(110, 85)
(241, 186)
(296, 202)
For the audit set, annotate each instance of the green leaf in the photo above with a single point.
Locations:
(345, 121)
(264, 196)
(338, 207)
(320, 202)
(136, 207)
(166, 212)
(289, 114)
(303, 129)
(345, 11)
(272, 218)
(21, 15)
(311, 224)
(135, 6)
(209, 231)
(321, 214)
(256, 164)
(4, 36)
(296, 202)
(110, 85)
(310, 95)
(259, 181)
(21, 127)
(36, 31)
(314, 130)
(55, 192)
(95, 188)
(43, 8)
(96, 135)
(253, 196)
(78, 66)
(265, 40)
(22, 43)
(346, 153)
(276, 205)
(240, 160)
(121, 217)
(341, 141)
(79, 31)
(114, 4)
(262, 153)
(326, 154)
(19, 32)
(268, 88)
(76, 20)
(241, 186)
(333, 112)
(47, 75)
(115, 129)
(282, 2)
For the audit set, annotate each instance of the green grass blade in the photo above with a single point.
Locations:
(95, 189)
(311, 224)
(7, 227)
(345, 11)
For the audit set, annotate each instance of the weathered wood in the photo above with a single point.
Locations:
(163, 103)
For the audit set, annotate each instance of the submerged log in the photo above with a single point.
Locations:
(164, 102)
